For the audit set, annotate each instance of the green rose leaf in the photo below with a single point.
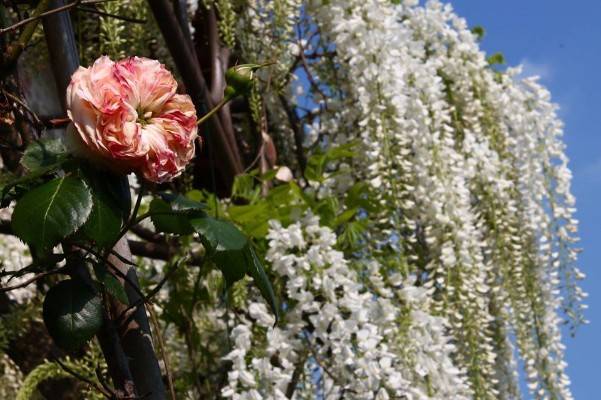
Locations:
(172, 212)
(165, 219)
(226, 246)
(72, 313)
(219, 235)
(182, 203)
(49, 213)
(111, 206)
(43, 154)
(233, 254)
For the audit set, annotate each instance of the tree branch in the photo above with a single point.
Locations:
(49, 12)
(14, 50)
(226, 153)
(295, 124)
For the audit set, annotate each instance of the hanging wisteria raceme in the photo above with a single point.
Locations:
(359, 340)
(433, 257)
(468, 168)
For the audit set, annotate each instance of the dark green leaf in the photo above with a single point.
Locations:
(183, 203)
(225, 244)
(72, 313)
(257, 272)
(51, 212)
(165, 219)
(219, 235)
(111, 205)
(233, 254)
(44, 153)
(24, 183)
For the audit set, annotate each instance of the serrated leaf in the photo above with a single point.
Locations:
(111, 203)
(49, 213)
(233, 254)
(183, 203)
(44, 153)
(220, 235)
(72, 313)
(225, 244)
(24, 182)
(167, 220)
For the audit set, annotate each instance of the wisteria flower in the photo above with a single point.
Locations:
(127, 117)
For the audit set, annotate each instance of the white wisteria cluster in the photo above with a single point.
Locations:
(14, 256)
(342, 336)
(468, 168)
(467, 162)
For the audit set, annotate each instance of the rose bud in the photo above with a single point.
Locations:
(127, 117)
(239, 78)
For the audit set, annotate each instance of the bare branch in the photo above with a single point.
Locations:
(32, 279)
(295, 124)
(161, 342)
(99, 388)
(49, 12)
(115, 16)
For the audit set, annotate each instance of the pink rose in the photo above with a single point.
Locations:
(126, 116)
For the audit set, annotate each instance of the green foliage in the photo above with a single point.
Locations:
(39, 374)
(479, 32)
(48, 370)
(49, 213)
(110, 283)
(287, 201)
(227, 22)
(283, 202)
(72, 313)
(256, 270)
(318, 162)
(166, 220)
(43, 154)
(233, 254)
(111, 206)
(225, 245)
(41, 158)
(496, 59)
(170, 213)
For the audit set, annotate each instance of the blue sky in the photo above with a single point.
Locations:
(561, 41)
